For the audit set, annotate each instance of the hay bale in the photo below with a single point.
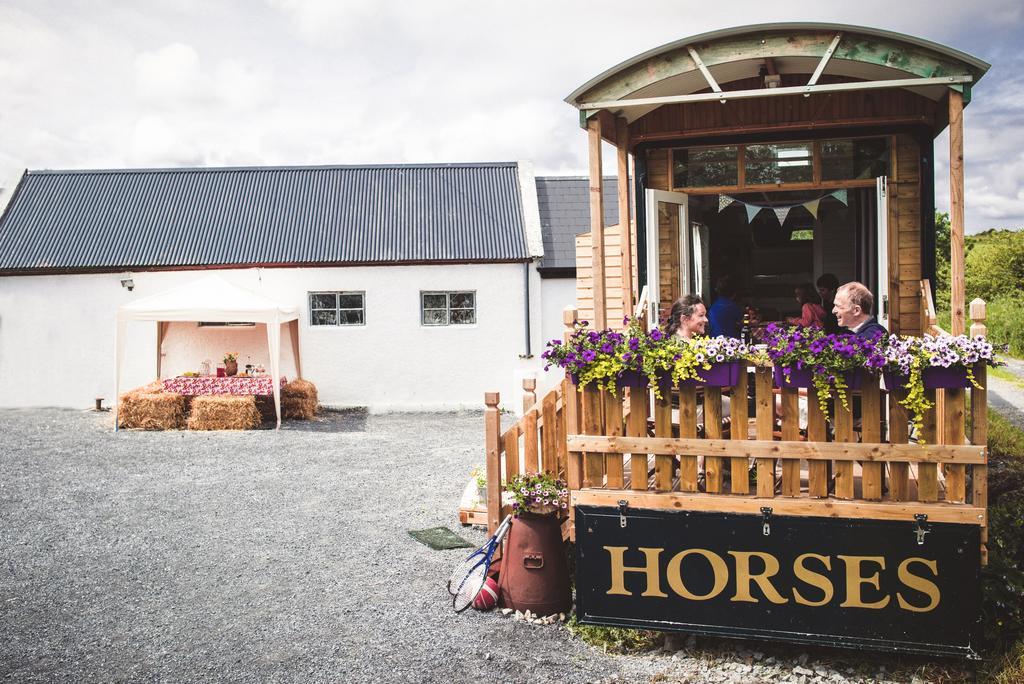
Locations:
(150, 408)
(224, 412)
(265, 405)
(298, 400)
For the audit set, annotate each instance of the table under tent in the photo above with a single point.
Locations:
(211, 299)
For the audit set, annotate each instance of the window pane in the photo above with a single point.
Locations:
(324, 318)
(463, 316)
(435, 301)
(778, 163)
(351, 317)
(323, 300)
(854, 159)
(435, 317)
(704, 166)
(462, 300)
(350, 301)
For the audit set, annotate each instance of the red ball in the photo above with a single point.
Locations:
(488, 596)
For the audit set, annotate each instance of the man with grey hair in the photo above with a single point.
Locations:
(853, 306)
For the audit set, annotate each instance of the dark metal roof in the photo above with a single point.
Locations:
(564, 204)
(60, 221)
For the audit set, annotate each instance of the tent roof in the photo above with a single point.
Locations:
(208, 299)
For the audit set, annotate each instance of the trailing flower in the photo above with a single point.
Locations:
(700, 353)
(540, 493)
(909, 357)
(603, 356)
(828, 357)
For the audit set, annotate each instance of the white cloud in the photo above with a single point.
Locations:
(169, 73)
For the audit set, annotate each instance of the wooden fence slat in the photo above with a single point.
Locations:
(790, 433)
(549, 457)
(765, 418)
(613, 427)
(561, 455)
(956, 474)
(871, 431)
(899, 471)
(571, 400)
(979, 437)
(817, 471)
(739, 468)
(638, 428)
(593, 463)
(713, 430)
(531, 457)
(843, 424)
(511, 444)
(928, 473)
(664, 464)
(688, 428)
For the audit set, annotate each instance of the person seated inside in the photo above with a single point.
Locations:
(811, 312)
(725, 315)
(827, 285)
(853, 308)
(688, 317)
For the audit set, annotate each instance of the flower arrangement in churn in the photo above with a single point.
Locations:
(830, 361)
(929, 362)
(540, 494)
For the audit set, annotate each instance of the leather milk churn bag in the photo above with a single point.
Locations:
(534, 571)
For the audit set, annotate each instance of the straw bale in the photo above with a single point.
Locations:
(224, 412)
(299, 400)
(150, 408)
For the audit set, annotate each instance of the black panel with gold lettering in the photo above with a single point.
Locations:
(837, 581)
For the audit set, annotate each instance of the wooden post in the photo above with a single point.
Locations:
(549, 435)
(492, 436)
(531, 458)
(571, 411)
(625, 225)
(843, 422)
(593, 464)
(637, 427)
(529, 393)
(956, 211)
(597, 222)
(765, 417)
(899, 471)
(664, 464)
(739, 414)
(613, 428)
(871, 432)
(928, 473)
(979, 424)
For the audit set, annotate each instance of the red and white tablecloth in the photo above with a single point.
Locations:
(238, 385)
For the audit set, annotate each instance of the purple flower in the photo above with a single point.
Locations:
(634, 343)
(656, 335)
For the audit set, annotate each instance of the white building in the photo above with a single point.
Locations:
(418, 284)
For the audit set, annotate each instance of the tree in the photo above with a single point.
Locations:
(942, 257)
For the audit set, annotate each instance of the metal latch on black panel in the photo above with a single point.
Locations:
(766, 520)
(622, 512)
(921, 527)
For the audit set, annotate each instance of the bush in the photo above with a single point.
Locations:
(995, 265)
(1005, 321)
(1003, 577)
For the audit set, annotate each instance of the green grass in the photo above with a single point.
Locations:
(1006, 375)
(616, 639)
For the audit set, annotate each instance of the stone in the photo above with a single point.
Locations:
(802, 671)
(506, 611)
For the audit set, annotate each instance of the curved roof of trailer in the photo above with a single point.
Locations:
(732, 54)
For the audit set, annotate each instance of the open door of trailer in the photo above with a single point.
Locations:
(882, 258)
(667, 212)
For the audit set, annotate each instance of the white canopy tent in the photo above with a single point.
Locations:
(210, 299)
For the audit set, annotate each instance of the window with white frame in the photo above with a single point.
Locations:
(337, 308)
(448, 308)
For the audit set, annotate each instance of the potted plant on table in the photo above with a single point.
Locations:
(932, 362)
(230, 363)
(832, 364)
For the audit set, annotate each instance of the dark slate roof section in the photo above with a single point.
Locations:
(67, 221)
(564, 203)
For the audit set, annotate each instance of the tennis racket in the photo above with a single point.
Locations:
(469, 576)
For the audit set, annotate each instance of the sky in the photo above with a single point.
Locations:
(154, 83)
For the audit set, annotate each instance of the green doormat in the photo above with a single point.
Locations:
(440, 538)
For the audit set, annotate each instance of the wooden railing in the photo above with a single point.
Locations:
(929, 320)
(677, 452)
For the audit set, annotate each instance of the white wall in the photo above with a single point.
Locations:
(57, 336)
(556, 294)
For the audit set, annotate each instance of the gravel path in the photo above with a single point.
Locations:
(1007, 397)
(283, 556)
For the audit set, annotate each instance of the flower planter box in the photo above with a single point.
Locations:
(725, 374)
(934, 377)
(631, 378)
(804, 377)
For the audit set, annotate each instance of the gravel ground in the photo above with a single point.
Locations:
(283, 556)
